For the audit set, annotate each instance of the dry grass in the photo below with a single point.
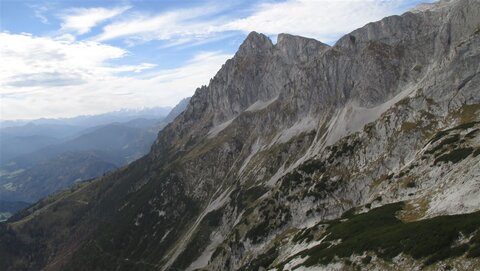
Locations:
(468, 113)
(414, 210)
(408, 127)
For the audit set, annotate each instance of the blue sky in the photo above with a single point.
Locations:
(72, 57)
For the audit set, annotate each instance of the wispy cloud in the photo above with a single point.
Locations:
(82, 20)
(42, 76)
(325, 20)
(321, 19)
(45, 79)
(180, 25)
(28, 54)
(39, 11)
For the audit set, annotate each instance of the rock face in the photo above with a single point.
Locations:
(296, 156)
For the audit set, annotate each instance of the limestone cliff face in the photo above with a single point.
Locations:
(260, 169)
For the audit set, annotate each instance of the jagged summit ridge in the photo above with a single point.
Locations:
(254, 43)
(299, 49)
(261, 57)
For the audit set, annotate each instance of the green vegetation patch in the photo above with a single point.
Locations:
(446, 142)
(472, 133)
(476, 152)
(262, 261)
(463, 126)
(454, 156)
(305, 235)
(291, 180)
(312, 166)
(380, 231)
(344, 149)
(272, 217)
(13, 248)
(411, 184)
(242, 198)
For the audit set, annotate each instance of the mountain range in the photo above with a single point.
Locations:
(298, 155)
(77, 153)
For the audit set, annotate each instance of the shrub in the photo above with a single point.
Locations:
(411, 184)
(380, 231)
(367, 259)
(455, 156)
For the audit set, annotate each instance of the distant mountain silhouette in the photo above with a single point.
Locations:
(41, 157)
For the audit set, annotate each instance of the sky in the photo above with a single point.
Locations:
(67, 58)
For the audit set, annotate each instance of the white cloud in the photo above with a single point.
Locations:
(325, 20)
(39, 12)
(320, 19)
(82, 20)
(27, 54)
(183, 25)
(44, 77)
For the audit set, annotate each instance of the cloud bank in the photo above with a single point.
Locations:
(58, 78)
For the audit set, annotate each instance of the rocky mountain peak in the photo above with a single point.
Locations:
(255, 43)
(432, 6)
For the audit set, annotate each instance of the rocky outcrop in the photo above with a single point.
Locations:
(289, 144)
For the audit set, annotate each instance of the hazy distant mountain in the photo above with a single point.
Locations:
(33, 175)
(13, 146)
(57, 172)
(49, 164)
(18, 140)
(177, 110)
(123, 115)
(116, 116)
(21, 137)
(142, 123)
(7, 208)
(56, 130)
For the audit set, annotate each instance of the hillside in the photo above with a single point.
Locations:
(297, 156)
(7, 208)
